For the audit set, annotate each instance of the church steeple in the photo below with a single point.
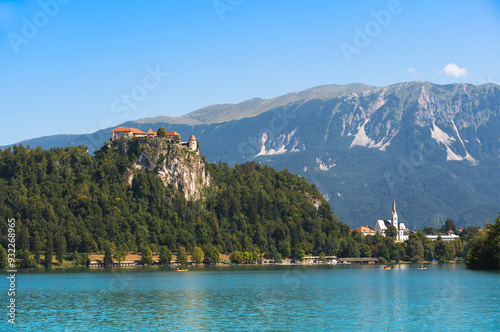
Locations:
(395, 218)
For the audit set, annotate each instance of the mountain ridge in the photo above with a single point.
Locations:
(435, 147)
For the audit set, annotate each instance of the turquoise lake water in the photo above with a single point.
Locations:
(282, 298)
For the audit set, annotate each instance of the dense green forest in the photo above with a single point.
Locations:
(67, 202)
(485, 249)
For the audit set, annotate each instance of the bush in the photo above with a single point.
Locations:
(416, 259)
(382, 260)
(27, 263)
(237, 257)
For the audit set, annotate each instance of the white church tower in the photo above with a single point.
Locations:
(395, 219)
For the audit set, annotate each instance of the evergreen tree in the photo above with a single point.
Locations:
(37, 248)
(24, 238)
(48, 252)
(60, 248)
(449, 224)
(4, 263)
(108, 254)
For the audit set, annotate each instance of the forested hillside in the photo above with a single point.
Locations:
(65, 200)
(67, 194)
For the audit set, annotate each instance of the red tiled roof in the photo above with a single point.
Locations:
(192, 138)
(137, 131)
(121, 129)
(363, 229)
(172, 133)
(151, 132)
(451, 232)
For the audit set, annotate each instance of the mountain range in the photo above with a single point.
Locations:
(434, 148)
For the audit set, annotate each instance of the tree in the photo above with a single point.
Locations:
(177, 139)
(449, 224)
(322, 257)
(485, 250)
(27, 261)
(248, 257)
(37, 248)
(237, 257)
(416, 259)
(395, 256)
(429, 230)
(212, 255)
(391, 231)
(165, 256)
(108, 254)
(161, 132)
(60, 248)
(277, 258)
(120, 254)
(147, 256)
(198, 255)
(284, 248)
(24, 238)
(182, 256)
(3, 258)
(300, 254)
(384, 252)
(48, 252)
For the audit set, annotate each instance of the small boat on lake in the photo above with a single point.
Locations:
(185, 270)
(387, 267)
(421, 267)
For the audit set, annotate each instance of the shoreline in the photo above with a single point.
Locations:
(173, 267)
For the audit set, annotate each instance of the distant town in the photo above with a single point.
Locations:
(402, 233)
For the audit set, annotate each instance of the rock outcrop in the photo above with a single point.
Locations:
(172, 163)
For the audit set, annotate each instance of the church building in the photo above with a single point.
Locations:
(382, 225)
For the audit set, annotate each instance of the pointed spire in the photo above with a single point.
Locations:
(393, 205)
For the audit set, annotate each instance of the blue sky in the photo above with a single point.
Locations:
(68, 66)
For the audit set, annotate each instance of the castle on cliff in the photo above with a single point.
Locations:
(172, 136)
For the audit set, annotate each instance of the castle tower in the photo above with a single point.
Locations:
(395, 218)
(193, 143)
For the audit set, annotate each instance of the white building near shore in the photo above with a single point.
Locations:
(445, 238)
(382, 225)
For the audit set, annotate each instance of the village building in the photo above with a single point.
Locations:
(401, 230)
(445, 238)
(315, 260)
(125, 132)
(170, 135)
(365, 230)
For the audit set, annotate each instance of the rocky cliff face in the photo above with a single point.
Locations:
(173, 164)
